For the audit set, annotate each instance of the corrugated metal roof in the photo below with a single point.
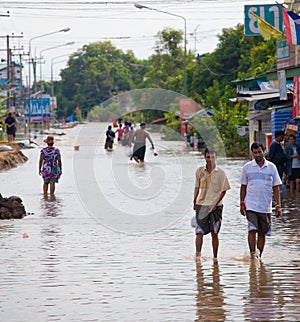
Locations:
(256, 97)
(258, 115)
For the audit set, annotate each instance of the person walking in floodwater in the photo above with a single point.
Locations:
(50, 165)
(292, 152)
(120, 132)
(110, 136)
(259, 181)
(276, 153)
(211, 185)
(139, 139)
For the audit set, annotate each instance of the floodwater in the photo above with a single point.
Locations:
(116, 243)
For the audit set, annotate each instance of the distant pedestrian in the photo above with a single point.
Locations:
(259, 181)
(120, 132)
(276, 153)
(211, 185)
(50, 165)
(110, 136)
(292, 152)
(126, 136)
(10, 123)
(139, 139)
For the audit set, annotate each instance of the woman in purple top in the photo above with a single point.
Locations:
(50, 166)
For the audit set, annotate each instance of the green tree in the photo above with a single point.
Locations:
(227, 61)
(166, 64)
(228, 116)
(95, 72)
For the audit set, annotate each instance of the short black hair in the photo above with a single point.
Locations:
(209, 150)
(292, 136)
(256, 145)
(279, 133)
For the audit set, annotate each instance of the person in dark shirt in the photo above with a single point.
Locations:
(276, 153)
(10, 123)
(110, 135)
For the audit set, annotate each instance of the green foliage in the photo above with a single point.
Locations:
(171, 130)
(103, 114)
(263, 58)
(166, 65)
(95, 72)
(227, 117)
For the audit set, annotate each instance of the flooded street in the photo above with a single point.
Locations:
(116, 243)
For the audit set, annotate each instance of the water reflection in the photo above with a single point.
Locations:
(260, 304)
(288, 225)
(51, 237)
(210, 294)
(51, 206)
(290, 201)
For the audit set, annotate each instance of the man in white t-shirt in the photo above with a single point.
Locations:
(259, 181)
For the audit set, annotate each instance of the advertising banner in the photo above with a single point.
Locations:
(296, 97)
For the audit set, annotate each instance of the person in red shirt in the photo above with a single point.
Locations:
(120, 131)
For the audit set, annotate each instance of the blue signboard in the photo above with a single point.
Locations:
(39, 107)
(282, 50)
(272, 14)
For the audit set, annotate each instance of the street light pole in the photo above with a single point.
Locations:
(41, 82)
(29, 72)
(139, 6)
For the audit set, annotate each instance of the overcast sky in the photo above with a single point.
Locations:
(127, 27)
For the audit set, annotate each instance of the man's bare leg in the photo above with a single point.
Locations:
(215, 244)
(199, 242)
(261, 243)
(251, 243)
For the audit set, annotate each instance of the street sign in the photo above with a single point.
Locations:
(39, 107)
(282, 54)
(272, 14)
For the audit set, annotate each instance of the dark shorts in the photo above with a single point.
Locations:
(139, 151)
(208, 222)
(108, 144)
(10, 130)
(260, 222)
(295, 174)
(55, 180)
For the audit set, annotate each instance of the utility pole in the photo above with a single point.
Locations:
(9, 69)
(20, 97)
(8, 64)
